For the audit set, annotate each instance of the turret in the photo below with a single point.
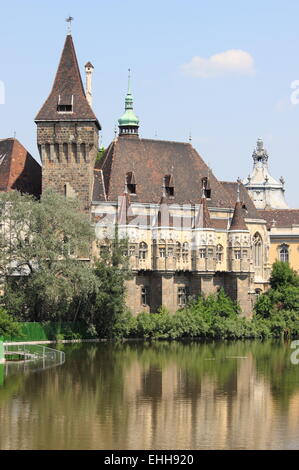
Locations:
(129, 123)
(88, 72)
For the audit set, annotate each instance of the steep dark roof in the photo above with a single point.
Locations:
(238, 222)
(18, 169)
(67, 84)
(151, 160)
(282, 217)
(250, 211)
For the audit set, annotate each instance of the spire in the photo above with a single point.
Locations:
(67, 100)
(203, 219)
(129, 122)
(238, 221)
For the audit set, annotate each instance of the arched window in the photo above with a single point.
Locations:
(284, 253)
(142, 250)
(219, 253)
(257, 250)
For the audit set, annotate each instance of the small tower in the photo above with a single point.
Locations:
(265, 191)
(129, 123)
(88, 71)
(68, 133)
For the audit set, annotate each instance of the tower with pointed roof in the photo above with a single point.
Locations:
(128, 123)
(68, 132)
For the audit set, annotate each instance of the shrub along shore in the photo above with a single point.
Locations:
(214, 317)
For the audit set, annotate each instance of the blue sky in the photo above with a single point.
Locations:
(227, 102)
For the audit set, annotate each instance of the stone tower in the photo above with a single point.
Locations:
(265, 191)
(68, 133)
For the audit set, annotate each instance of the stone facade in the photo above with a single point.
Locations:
(171, 264)
(203, 235)
(68, 152)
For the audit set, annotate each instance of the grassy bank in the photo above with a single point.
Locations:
(50, 331)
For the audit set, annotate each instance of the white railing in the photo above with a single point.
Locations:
(34, 352)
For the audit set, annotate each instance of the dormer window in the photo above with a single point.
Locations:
(206, 187)
(131, 183)
(64, 108)
(169, 185)
(65, 104)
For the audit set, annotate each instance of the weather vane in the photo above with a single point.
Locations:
(69, 21)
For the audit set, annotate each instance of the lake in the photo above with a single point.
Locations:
(161, 395)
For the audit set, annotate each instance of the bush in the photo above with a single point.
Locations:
(8, 327)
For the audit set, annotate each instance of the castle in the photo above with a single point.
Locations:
(187, 232)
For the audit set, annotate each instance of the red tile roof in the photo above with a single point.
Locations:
(280, 218)
(18, 169)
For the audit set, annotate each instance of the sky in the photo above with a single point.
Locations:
(221, 71)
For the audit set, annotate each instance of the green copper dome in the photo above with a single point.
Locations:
(129, 118)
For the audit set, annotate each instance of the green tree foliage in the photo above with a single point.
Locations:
(279, 306)
(40, 244)
(8, 327)
(108, 305)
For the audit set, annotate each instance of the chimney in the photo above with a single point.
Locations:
(88, 70)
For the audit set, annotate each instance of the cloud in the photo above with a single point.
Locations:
(233, 61)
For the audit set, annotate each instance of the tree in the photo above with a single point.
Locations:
(279, 306)
(44, 256)
(283, 275)
(8, 327)
(111, 270)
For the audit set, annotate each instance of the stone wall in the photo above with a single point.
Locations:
(68, 151)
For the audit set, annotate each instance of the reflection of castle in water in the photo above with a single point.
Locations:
(161, 397)
(196, 415)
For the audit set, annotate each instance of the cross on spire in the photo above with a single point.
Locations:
(69, 21)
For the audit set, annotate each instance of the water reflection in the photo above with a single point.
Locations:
(156, 396)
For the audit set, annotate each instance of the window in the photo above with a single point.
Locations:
(183, 293)
(210, 253)
(131, 183)
(132, 250)
(237, 253)
(202, 252)
(144, 295)
(284, 253)
(245, 254)
(124, 251)
(178, 249)
(206, 187)
(169, 185)
(142, 250)
(257, 250)
(219, 253)
(162, 252)
(170, 251)
(64, 108)
(169, 191)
